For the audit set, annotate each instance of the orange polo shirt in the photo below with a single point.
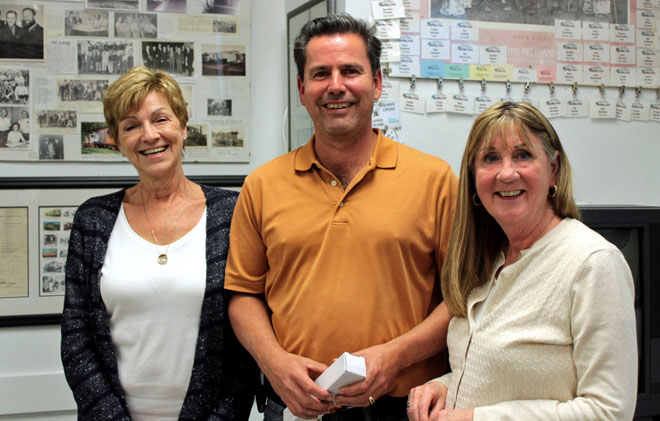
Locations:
(342, 270)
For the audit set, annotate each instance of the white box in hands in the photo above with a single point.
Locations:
(347, 369)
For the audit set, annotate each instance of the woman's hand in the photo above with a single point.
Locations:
(453, 415)
(427, 401)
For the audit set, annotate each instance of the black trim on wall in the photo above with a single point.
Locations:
(106, 182)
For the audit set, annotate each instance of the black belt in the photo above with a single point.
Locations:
(385, 406)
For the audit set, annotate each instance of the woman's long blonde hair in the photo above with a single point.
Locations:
(476, 239)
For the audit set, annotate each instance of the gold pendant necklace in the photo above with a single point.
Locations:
(162, 256)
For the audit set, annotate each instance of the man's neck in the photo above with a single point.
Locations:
(346, 156)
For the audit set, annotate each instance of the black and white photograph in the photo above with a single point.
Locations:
(230, 137)
(86, 23)
(113, 4)
(51, 147)
(14, 86)
(21, 32)
(81, 90)
(531, 12)
(223, 60)
(175, 58)
(225, 26)
(173, 6)
(14, 127)
(52, 284)
(196, 135)
(94, 139)
(56, 119)
(136, 25)
(225, 7)
(218, 107)
(104, 57)
(50, 240)
(54, 266)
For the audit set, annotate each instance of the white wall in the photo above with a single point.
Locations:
(614, 163)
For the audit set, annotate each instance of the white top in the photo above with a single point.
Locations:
(557, 339)
(154, 316)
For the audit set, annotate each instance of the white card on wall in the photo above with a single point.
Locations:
(436, 103)
(387, 9)
(412, 102)
(553, 107)
(623, 110)
(602, 109)
(461, 104)
(577, 108)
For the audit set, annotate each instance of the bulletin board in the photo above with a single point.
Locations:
(57, 58)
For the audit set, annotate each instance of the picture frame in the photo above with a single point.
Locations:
(36, 214)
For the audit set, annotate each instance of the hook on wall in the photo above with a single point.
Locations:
(413, 82)
(507, 86)
(638, 92)
(622, 90)
(460, 84)
(483, 84)
(440, 83)
(601, 88)
(575, 88)
(526, 88)
(551, 86)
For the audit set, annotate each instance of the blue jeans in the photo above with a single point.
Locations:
(273, 411)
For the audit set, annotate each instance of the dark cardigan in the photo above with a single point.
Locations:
(222, 383)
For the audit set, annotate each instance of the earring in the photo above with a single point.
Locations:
(552, 192)
(476, 200)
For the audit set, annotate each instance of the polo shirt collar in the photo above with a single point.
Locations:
(385, 154)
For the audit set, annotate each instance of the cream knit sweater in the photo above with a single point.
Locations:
(557, 340)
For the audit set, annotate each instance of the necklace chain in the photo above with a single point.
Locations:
(162, 256)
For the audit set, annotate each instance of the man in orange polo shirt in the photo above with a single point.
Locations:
(338, 245)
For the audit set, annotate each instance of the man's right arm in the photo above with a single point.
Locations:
(290, 375)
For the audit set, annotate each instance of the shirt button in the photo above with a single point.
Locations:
(333, 183)
(341, 204)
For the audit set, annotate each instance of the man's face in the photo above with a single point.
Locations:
(11, 19)
(28, 18)
(339, 88)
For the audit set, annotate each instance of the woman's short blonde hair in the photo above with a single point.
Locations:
(476, 238)
(127, 93)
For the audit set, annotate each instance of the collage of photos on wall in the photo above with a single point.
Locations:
(54, 72)
(55, 225)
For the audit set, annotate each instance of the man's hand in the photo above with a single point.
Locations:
(291, 378)
(382, 369)
(427, 402)
(290, 375)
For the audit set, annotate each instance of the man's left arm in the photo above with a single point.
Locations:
(385, 361)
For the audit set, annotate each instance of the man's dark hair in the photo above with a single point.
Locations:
(337, 24)
(34, 12)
